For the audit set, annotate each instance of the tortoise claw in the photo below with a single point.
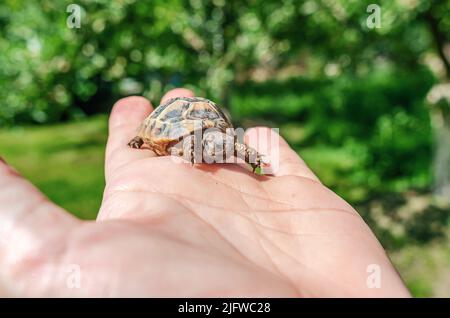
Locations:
(136, 142)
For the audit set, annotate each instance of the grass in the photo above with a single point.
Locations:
(425, 269)
(65, 161)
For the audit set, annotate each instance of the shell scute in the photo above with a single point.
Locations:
(202, 112)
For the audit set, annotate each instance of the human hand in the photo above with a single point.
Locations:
(168, 229)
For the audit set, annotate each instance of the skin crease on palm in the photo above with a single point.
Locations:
(168, 229)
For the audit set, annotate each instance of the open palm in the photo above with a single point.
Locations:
(169, 229)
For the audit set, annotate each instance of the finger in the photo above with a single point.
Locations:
(126, 117)
(177, 92)
(283, 159)
(33, 230)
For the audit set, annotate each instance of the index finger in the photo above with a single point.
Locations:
(126, 117)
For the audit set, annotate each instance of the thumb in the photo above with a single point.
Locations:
(32, 230)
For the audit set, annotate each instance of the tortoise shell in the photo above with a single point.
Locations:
(172, 129)
(178, 118)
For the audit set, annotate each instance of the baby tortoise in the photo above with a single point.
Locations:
(174, 127)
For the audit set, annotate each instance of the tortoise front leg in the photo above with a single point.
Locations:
(136, 142)
(188, 151)
(184, 147)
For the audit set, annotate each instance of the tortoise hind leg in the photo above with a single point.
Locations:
(136, 142)
(250, 155)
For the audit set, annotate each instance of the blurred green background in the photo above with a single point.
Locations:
(367, 108)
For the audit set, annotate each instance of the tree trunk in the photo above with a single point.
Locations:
(442, 160)
(439, 98)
